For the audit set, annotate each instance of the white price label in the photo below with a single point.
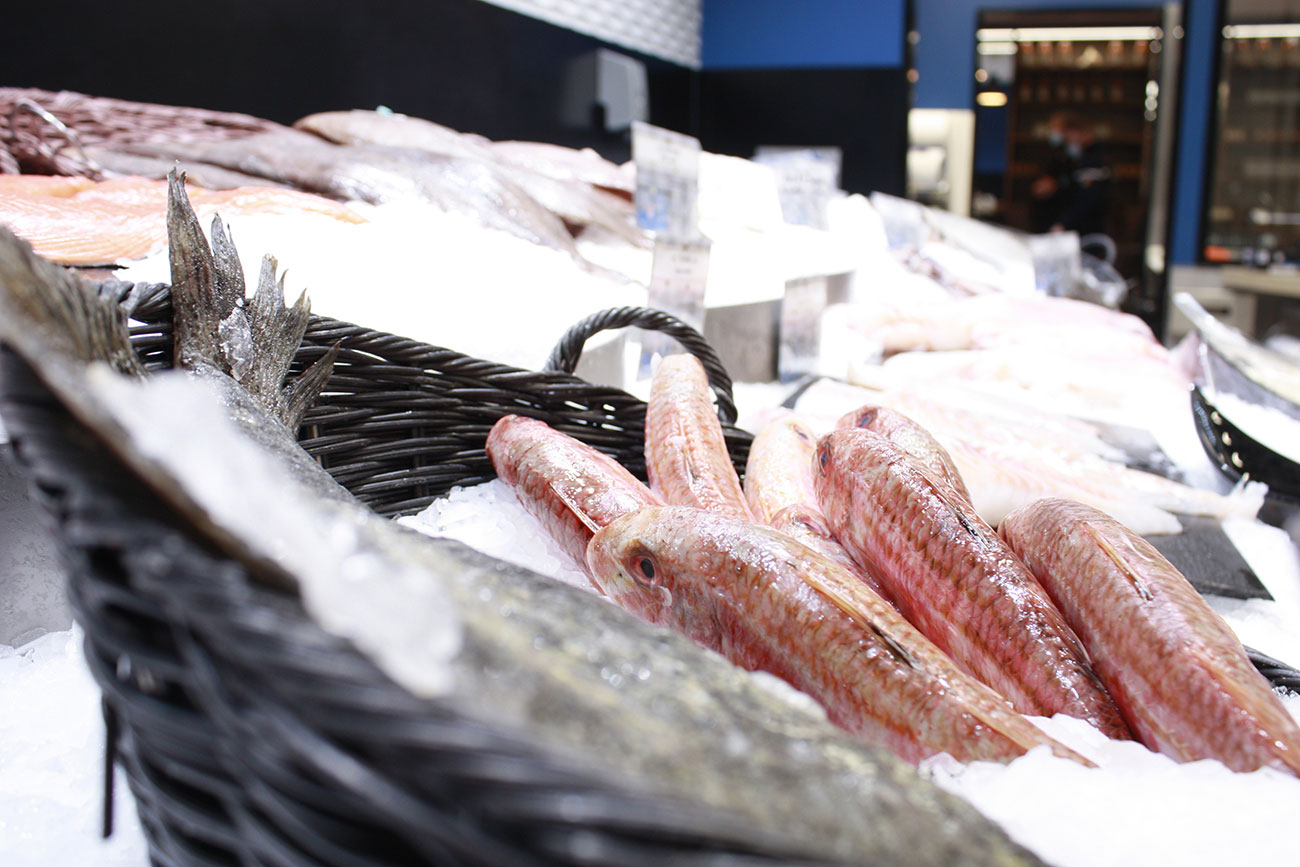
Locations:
(801, 312)
(806, 180)
(679, 275)
(667, 181)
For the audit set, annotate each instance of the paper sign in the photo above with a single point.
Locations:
(801, 312)
(679, 274)
(667, 181)
(806, 181)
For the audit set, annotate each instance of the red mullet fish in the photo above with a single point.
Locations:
(685, 454)
(769, 603)
(952, 576)
(1177, 672)
(912, 438)
(570, 487)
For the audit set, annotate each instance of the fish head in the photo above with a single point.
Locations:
(625, 561)
(843, 453)
(798, 429)
(862, 417)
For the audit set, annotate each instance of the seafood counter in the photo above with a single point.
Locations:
(927, 617)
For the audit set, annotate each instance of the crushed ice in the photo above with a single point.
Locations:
(490, 518)
(51, 753)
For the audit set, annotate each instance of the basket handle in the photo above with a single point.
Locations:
(565, 355)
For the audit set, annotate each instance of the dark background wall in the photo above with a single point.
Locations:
(819, 72)
(480, 68)
(464, 63)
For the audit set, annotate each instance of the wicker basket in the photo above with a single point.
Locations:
(44, 132)
(250, 735)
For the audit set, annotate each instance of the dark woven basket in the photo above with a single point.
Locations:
(251, 736)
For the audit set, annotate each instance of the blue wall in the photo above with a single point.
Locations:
(748, 34)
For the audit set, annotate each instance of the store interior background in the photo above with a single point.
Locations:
(735, 73)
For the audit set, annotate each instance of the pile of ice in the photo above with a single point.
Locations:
(489, 517)
(1136, 807)
(51, 756)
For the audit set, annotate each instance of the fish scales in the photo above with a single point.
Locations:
(767, 602)
(1176, 670)
(570, 487)
(685, 452)
(779, 488)
(952, 576)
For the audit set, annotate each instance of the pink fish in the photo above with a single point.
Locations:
(952, 576)
(912, 438)
(767, 602)
(1177, 672)
(685, 454)
(570, 487)
(778, 473)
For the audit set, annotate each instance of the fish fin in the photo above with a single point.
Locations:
(1120, 563)
(299, 395)
(228, 272)
(43, 306)
(575, 507)
(945, 493)
(197, 310)
(855, 599)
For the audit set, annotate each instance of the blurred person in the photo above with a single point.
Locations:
(1071, 193)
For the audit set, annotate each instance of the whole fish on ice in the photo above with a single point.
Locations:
(685, 454)
(1175, 669)
(914, 440)
(570, 487)
(779, 488)
(952, 576)
(376, 174)
(767, 602)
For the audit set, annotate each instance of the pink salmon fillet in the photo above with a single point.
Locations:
(77, 221)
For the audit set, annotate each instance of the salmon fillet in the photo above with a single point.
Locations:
(77, 221)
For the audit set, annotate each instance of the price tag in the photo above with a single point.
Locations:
(806, 180)
(801, 312)
(679, 273)
(667, 181)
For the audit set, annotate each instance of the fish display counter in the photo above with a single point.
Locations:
(913, 610)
